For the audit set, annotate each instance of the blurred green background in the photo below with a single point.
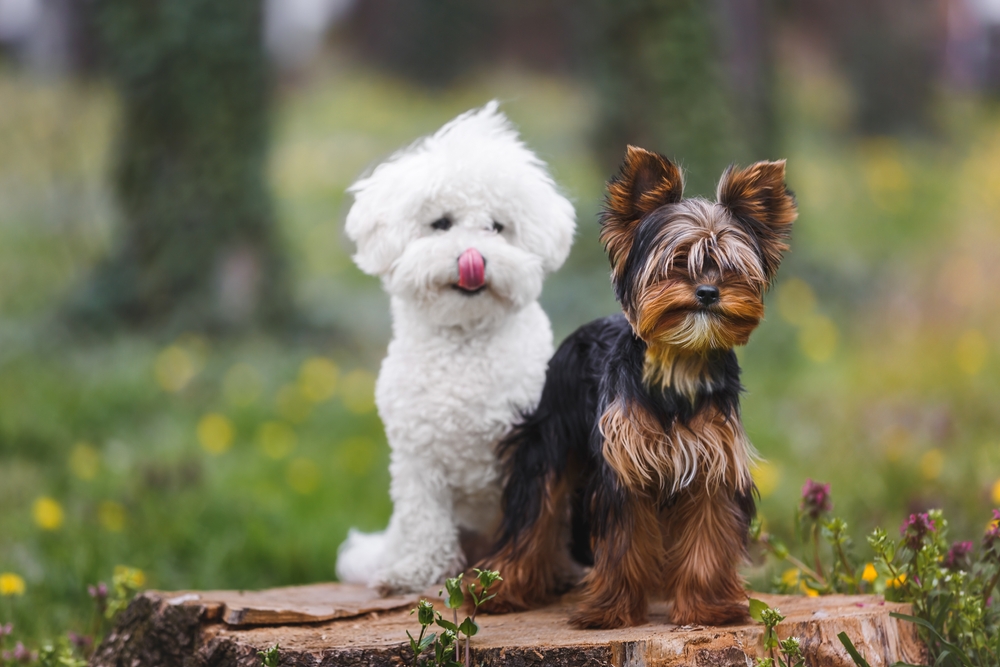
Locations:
(187, 353)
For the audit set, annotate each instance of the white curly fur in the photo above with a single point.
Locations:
(460, 366)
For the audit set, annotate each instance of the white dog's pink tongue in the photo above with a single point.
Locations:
(471, 270)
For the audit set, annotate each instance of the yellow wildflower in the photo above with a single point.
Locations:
(48, 513)
(215, 432)
(869, 573)
(766, 476)
(896, 582)
(129, 576)
(111, 515)
(790, 577)
(318, 379)
(11, 584)
(84, 461)
(971, 352)
(931, 464)
(174, 368)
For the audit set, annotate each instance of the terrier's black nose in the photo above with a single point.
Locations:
(707, 294)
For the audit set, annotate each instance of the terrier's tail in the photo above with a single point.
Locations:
(359, 557)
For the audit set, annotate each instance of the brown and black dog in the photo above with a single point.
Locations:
(635, 460)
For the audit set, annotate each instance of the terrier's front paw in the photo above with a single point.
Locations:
(703, 612)
(608, 617)
(503, 602)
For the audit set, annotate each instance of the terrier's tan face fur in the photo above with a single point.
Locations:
(690, 273)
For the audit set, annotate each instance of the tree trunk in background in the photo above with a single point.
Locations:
(430, 42)
(687, 78)
(892, 52)
(198, 246)
(748, 50)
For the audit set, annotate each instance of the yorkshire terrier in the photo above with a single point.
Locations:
(635, 460)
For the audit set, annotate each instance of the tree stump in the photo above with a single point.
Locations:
(329, 625)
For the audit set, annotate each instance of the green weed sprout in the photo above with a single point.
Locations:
(269, 657)
(125, 583)
(789, 654)
(59, 654)
(445, 645)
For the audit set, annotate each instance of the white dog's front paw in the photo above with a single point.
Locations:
(411, 575)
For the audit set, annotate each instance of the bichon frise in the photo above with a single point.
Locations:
(461, 227)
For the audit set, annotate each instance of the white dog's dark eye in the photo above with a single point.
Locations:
(442, 223)
(497, 227)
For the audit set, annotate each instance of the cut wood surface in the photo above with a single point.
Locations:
(291, 605)
(332, 624)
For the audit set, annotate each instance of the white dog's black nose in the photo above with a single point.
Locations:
(707, 294)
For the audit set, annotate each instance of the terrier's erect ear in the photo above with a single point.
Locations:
(758, 198)
(645, 182)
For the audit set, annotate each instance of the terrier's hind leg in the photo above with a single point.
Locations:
(628, 561)
(532, 555)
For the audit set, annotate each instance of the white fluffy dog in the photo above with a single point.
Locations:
(461, 227)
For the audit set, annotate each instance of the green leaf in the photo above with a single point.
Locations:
(942, 657)
(456, 598)
(269, 658)
(447, 625)
(756, 607)
(849, 645)
(488, 577)
(469, 627)
(959, 653)
(426, 642)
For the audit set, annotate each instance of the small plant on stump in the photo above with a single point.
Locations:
(269, 657)
(788, 652)
(446, 644)
(952, 589)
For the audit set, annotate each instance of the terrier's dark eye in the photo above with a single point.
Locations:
(442, 223)
(497, 227)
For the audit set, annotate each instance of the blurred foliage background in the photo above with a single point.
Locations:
(187, 353)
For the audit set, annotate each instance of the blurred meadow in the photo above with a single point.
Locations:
(239, 459)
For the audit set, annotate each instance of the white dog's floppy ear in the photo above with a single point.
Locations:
(552, 219)
(550, 236)
(368, 224)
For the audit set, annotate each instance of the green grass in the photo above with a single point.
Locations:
(875, 370)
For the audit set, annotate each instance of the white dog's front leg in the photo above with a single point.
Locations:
(422, 546)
